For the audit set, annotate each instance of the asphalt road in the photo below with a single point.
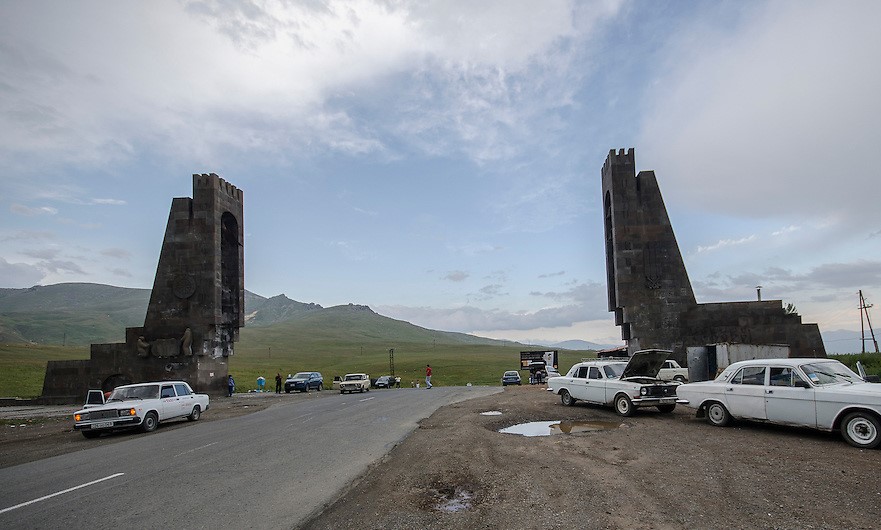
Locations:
(274, 468)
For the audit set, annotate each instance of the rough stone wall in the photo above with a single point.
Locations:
(648, 285)
(196, 307)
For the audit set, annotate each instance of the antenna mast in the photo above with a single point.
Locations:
(864, 310)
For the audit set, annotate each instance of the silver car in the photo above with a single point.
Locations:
(818, 393)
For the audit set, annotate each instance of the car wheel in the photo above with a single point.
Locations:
(666, 409)
(860, 429)
(717, 414)
(91, 434)
(150, 422)
(320, 387)
(287, 390)
(566, 398)
(197, 413)
(518, 384)
(679, 378)
(623, 405)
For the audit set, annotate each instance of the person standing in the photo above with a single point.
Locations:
(427, 376)
(231, 385)
(278, 382)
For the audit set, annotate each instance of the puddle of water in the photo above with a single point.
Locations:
(491, 413)
(459, 501)
(547, 428)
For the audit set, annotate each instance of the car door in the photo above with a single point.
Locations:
(595, 387)
(787, 403)
(186, 399)
(169, 404)
(578, 384)
(745, 393)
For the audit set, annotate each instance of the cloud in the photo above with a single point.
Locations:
(118, 253)
(456, 276)
(786, 230)
(722, 243)
(551, 275)
(111, 202)
(772, 112)
(43, 253)
(61, 267)
(582, 302)
(29, 235)
(120, 272)
(29, 211)
(19, 275)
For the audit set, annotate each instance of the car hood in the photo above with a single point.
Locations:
(645, 363)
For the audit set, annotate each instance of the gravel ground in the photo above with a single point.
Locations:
(649, 471)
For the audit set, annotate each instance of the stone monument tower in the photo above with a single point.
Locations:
(648, 285)
(196, 306)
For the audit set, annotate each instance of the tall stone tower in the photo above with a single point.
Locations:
(648, 286)
(196, 306)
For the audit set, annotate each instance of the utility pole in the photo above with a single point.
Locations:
(864, 309)
(391, 361)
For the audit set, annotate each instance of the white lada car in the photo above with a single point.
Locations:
(818, 393)
(141, 406)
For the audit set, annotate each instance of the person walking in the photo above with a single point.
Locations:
(231, 385)
(278, 382)
(427, 376)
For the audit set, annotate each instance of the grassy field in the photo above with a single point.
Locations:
(23, 367)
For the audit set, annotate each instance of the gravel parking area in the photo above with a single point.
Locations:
(649, 471)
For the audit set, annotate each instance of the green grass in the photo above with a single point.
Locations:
(870, 361)
(23, 367)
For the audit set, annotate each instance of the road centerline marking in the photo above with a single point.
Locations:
(365, 399)
(194, 450)
(68, 490)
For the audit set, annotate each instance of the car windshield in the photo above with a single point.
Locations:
(511, 374)
(354, 377)
(828, 373)
(614, 370)
(135, 392)
(302, 375)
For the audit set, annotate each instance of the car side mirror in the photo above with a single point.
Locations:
(801, 383)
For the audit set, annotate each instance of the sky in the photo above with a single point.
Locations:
(440, 160)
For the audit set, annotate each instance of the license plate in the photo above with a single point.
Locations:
(102, 425)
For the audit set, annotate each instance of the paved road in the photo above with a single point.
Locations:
(273, 468)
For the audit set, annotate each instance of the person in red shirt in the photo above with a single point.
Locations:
(427, 376)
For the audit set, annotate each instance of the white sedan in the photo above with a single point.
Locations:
(818, 393)
(141, 406)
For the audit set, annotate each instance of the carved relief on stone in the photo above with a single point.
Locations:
(165, 347)
(143, 347)
(186, 343)
(184, 286)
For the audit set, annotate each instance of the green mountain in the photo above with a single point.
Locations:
(85, 313)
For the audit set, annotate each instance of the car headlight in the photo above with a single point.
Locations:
(127, 412)
(81, 417)
(643, 391)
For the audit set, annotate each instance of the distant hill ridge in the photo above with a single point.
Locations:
(85, 313)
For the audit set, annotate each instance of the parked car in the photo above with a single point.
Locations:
(818, 393)
(622, 384)
(141, 406)
(384, 381)
(355, 383)
(671, 371)
(511, 377)
(304, 381)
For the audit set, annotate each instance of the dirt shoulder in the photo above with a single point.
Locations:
(651, 471)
